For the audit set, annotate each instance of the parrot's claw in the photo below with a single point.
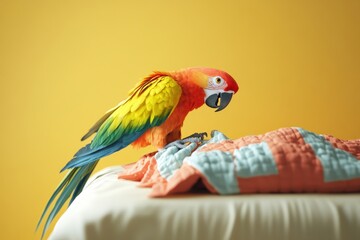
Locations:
(193, 138)
(199, 136)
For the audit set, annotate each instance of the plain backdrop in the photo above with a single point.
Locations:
(64, 63)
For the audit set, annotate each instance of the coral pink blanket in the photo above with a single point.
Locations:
(288, 160)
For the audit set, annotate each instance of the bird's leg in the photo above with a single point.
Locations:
(193, 138)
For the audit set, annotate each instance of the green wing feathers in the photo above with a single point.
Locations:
(97, 125)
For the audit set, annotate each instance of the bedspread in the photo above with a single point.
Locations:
(286, 160)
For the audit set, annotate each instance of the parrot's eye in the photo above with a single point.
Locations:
(217, 81)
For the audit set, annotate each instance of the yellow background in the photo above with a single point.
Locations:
(64, 63)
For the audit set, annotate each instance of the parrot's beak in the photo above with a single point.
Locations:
(219, 100)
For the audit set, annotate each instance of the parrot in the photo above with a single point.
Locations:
(152, 114)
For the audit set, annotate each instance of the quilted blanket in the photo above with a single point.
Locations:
(287, 160)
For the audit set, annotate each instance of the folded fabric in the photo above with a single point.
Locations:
(287, 160)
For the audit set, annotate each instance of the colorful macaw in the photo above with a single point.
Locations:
(153, 113)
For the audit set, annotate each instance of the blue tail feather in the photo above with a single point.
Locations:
(82, 164)
(88, 155)
(72, 183)
(56, 192)
(81, 185)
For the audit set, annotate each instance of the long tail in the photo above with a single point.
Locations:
(81, 166)
(73, 183)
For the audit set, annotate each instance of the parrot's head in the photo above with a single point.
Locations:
(218, 86)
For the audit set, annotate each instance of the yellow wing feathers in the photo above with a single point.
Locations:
(148, 105)
(157, 100)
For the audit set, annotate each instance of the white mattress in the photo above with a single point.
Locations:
(110, 208)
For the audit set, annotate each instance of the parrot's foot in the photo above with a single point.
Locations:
(193, 138)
